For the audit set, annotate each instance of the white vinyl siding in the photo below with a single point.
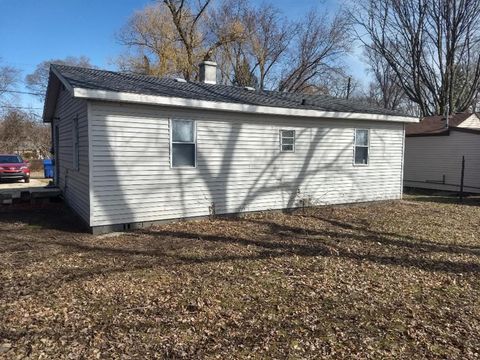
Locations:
(75, 145)
(435, 162)
(238, 166)
(73, 176)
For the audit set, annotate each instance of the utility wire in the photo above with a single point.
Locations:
(21, 92)
(20, 107)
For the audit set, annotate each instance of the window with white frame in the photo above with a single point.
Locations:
(183, 143)
(287, 140)
(75, 145)
(361, 149)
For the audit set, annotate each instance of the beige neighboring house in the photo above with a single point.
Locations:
(434, 152)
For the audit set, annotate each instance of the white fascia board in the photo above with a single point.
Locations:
(233, 107)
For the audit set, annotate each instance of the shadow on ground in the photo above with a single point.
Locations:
(445, 197)
(321, 232)
(263, 281)
(47, 216)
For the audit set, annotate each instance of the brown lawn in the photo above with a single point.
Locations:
(387, 280)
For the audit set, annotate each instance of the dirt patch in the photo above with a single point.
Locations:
(391, 280)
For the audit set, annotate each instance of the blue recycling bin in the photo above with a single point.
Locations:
(48, 168)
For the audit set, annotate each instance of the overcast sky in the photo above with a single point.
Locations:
(35, 30)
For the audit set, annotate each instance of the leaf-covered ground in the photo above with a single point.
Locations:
(387, 280)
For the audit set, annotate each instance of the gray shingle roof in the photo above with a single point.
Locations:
(141, 84)
(435, 125)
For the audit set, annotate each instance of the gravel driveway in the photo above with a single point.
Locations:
(10, 184)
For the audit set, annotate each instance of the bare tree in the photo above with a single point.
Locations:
(9, 77)
(152, 40)
(193, 33)
(172, 37)
(385, 89)
(12, 134)
(37, 81)
(233, 57)
(253, 45)
(338, 84)
(272, 47)
(20, 132)
(243, 75)
(269, 35)
(187, 22)
(431, 45)
(273, 35)
(37, 136)
(318, 46)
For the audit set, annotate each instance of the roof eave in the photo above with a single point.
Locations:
(425, 134)
(445, 132)
(231, 107)
(55, 79)
(466, 130)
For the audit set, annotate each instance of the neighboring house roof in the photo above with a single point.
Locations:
(437, 125)
(115, 86)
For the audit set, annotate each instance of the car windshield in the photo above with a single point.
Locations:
(10, 159)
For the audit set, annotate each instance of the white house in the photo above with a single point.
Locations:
(131, 149)
(434, 152)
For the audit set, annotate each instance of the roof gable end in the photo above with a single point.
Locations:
(437, 124)
(472, 122)
(55, 82)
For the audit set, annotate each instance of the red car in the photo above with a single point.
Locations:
(14, 167)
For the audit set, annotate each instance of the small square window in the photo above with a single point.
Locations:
(287, 140)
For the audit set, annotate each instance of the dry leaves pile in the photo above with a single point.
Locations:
(387, 280)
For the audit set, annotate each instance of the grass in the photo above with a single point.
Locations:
(387, 280)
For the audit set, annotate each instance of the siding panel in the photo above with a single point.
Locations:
(73, 183)
(428, 159)
(239, 165)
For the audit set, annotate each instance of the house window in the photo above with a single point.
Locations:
(75, 145)
(287, 140)
(361, 150)
(183, 143)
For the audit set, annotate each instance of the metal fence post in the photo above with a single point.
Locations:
(462, 178)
